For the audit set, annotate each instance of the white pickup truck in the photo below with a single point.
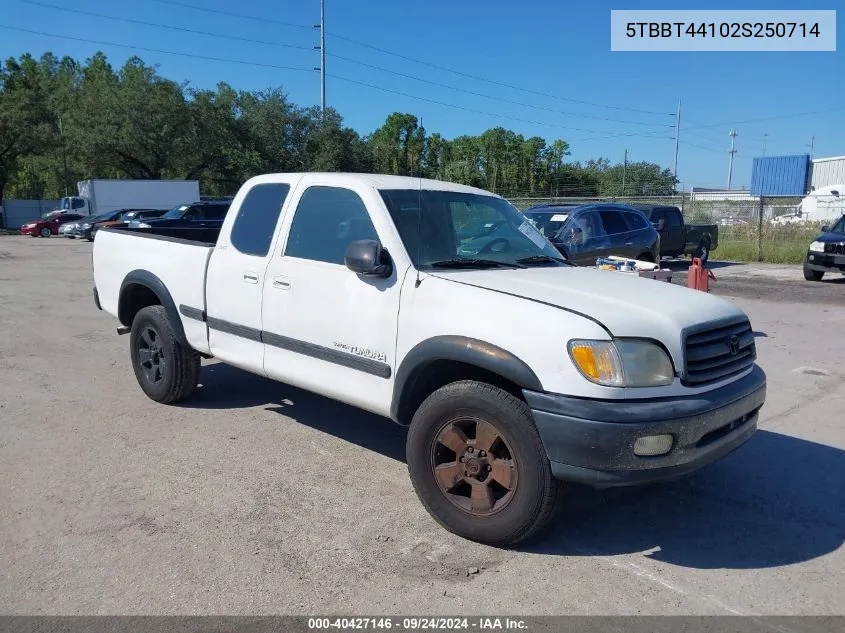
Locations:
(514, 370)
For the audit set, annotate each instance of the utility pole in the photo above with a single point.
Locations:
(677, 138)
(624, 171)
(812, 143)
(764, 144)
(322, 49)
(731, 153)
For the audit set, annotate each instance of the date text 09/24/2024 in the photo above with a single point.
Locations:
(417, 623)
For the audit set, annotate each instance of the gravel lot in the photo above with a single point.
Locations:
(258, 498)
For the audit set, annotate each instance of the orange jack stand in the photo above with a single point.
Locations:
(699, 277)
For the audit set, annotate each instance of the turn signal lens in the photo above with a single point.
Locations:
(598, 361)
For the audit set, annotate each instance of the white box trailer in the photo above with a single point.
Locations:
(101, 196)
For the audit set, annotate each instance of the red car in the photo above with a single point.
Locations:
(48, 226)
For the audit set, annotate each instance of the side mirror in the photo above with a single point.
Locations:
(825, 228)
(367, 257)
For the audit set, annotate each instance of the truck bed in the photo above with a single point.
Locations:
(205, 236)
(179, 263)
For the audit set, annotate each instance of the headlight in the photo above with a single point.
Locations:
(142, 225)
(817, 247)
(87, 225)
(622, 363)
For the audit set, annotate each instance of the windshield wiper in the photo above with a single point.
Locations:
(543, 259)
(474, 263)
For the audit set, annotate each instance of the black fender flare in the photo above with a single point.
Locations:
(148, 280)
(465, 350)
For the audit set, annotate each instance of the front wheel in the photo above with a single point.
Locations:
(813, 275)
(478, 465)
(45, 232)
(166, 370)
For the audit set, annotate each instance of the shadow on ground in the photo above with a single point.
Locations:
(225, 387)
(777, 500)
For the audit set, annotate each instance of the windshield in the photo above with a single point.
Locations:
(445, 226)
(839, 227)
(176, 212)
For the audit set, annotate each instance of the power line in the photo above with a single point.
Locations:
(412, 59)
(234, 15)
(771, 118)
(343, 58)
(155, 50)
(166, 26)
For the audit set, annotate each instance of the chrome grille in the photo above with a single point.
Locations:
(833, 247)
(718, 353)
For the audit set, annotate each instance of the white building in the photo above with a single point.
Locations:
(721, 195)
(827, 171)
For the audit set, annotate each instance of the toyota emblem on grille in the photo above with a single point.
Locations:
(733, 345)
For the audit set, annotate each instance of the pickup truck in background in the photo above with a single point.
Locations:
(352, 286)
(678, 238)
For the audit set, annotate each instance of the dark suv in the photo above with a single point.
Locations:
(583, 233)
(827, 252)
(204, 213)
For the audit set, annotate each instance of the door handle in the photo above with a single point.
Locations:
(629, 243)
(282, 283)
(251, 278)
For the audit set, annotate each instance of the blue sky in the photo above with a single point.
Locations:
(556, 47)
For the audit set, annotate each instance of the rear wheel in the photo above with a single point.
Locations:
(478, 465)
(702, 251)
(646, 257)
(813, 275)
(166, 370)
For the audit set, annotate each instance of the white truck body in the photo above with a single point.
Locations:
(369, 339)
(825, 204)
(102, 196)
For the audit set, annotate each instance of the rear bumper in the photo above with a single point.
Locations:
(825, 262)
(592, 441)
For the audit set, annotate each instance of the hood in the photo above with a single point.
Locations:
(625, 304)
(830, 237)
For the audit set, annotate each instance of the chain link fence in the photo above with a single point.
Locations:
(766, 230)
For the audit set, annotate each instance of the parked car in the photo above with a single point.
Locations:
(48, 226)
(678, 238)
(68, 229)
(88, 229)
(585, 232)
(197, 214)
(352, 286)
(82, 228)
(827, 252)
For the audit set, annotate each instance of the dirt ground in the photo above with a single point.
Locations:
(258, 498)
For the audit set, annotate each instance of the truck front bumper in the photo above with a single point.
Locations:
(592, 441)
(825, 262)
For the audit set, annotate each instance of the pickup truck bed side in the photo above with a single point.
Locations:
(172, 269)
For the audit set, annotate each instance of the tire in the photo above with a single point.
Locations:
(813, 275)
(524, 508)
(170, 372)
(646, 257)
(45, 232)
(702, 251)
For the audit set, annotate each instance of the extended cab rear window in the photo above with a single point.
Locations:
(255, 224)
